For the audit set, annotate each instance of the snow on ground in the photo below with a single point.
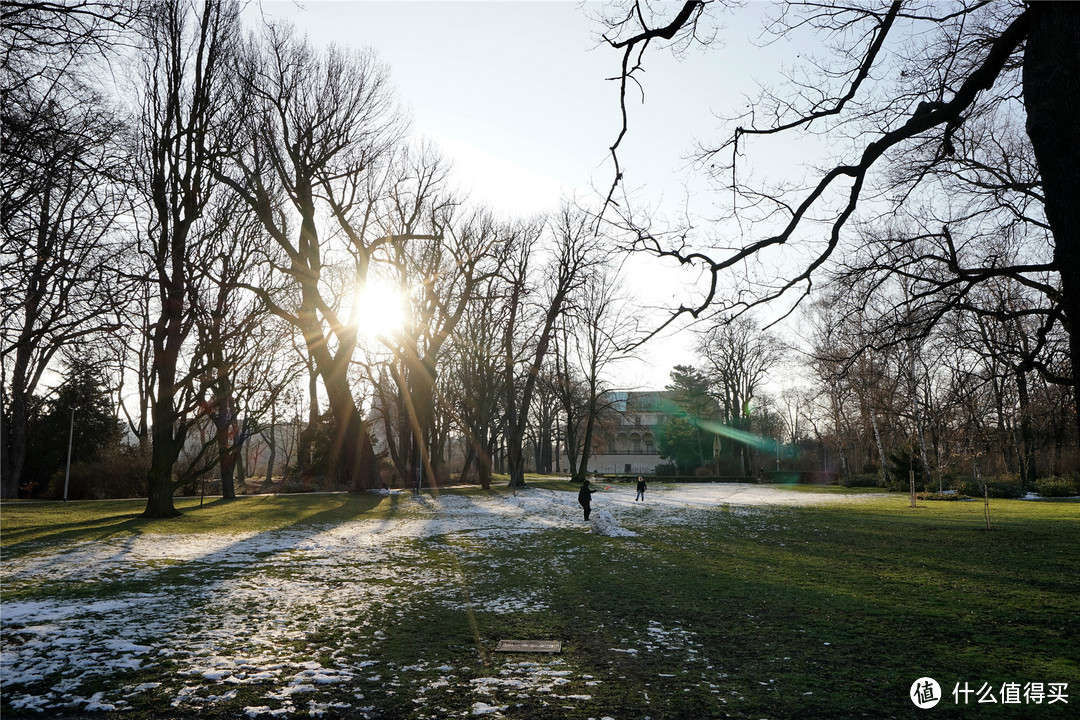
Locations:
(197, 617)
(602, 523)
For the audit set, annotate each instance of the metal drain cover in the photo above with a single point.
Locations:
(529, 646)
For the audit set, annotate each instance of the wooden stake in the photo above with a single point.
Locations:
(986, 495)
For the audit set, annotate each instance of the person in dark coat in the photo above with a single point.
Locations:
(584, 497)
(640, 490)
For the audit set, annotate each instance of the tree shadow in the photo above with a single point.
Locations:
(282, 577)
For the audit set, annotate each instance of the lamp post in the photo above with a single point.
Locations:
(71, 436)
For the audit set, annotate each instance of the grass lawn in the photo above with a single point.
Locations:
(813, 611)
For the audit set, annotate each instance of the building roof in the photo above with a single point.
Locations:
(625, 401)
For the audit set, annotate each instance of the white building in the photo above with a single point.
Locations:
(628, 440)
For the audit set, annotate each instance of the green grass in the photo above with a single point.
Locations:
(25, 525)
(829, 489)
(810, 612)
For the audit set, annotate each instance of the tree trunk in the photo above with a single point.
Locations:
(396, 443)
(272, 442)
(574, 450)
(228, 473)
(227, 438)
(17, 420)
(484, 465)
(168, 438)
(558, 448)
(239, 469)
(1028, 469)
(306, 437)
(470, 458)
(422, 398)
(165, 449)
(351, 454)
(1052, 98)
(880, 448)
(500, 457)
(515, 460)
(586, 446)
(22, 388)
(543, 451)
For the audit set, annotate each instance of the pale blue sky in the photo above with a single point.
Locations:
(516, 92)
(516, 95)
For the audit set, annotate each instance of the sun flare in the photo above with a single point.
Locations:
(379, 311)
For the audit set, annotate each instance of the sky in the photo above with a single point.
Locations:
(517, 96)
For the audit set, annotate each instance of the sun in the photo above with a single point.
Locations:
(379, 310)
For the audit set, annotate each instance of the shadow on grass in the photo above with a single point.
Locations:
(799, 612)
(71, 532)
(28, 527)
(814, 613)
(267, 514)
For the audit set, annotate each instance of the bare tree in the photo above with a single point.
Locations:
(134, 357)
(475, 370)
(55, 33)
(542, 429)
(573, 398)
(232, 346)
(532, 313)
(320, 132)
(439, 278)
(904, 82)
(739, 357)
(596, 333)
(62, 189)
(183, 128)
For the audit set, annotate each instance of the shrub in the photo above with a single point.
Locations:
(942, 496)
(861, 481)
(902, 461)
(120, 472)
(665, 470)
(783, 477)
(297, 485)
(999, 486)
(818, 477)
(1057, 486)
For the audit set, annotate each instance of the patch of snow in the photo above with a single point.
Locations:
(215, 675)
(528, 602)
(480, 708)
(235, 609)
(603, 523)
(94, 704)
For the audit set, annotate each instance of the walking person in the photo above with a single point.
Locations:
(640, 490)
(416, 481)
(584, 497)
